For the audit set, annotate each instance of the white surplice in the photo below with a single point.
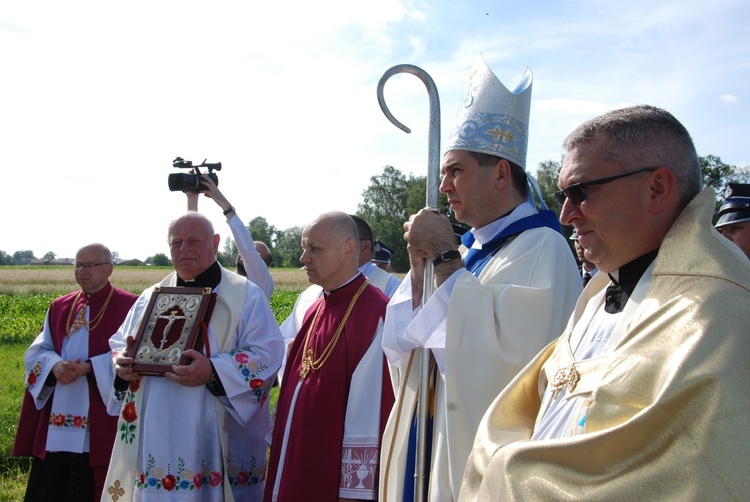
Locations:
(482, 332)
(187, 444)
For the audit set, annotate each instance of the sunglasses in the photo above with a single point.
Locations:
(577, 193)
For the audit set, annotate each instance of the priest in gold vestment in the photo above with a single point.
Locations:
(645, 395)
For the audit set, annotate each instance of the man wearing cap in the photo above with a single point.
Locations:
(734, 216)
(588, 269)
(382, 256)
(506, 294)
(644, 396)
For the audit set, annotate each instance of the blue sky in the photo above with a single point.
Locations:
(97, 98)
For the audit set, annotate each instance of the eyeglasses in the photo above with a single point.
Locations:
(88, 264)
(577, 193)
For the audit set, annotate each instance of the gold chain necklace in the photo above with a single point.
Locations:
(80, 320)
(308, 357)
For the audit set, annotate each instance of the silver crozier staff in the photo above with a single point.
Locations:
(433, 181)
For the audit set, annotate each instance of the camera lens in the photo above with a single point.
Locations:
(181, 182)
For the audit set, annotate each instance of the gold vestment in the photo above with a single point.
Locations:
(669, 410)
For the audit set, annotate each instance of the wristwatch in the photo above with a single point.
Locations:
(446, 256)
(230, 209)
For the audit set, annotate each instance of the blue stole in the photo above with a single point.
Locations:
(476, 259)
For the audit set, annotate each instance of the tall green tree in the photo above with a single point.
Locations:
(288, 248)
(5, 258)
(388, 202)
(547, 174)
(383, 206)
(228, 256)
(160, 260)
(716, 173)
(262, 231)
(741, 174)
(23, 257)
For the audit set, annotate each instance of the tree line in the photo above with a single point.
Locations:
(386, 204)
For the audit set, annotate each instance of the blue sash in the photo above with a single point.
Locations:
(476, 259)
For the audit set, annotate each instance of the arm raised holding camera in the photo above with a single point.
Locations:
(255, 265)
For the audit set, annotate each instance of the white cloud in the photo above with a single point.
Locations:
(729, 99)
(98, 98)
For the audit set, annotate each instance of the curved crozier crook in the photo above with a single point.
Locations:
(433, 187)
(433, 154)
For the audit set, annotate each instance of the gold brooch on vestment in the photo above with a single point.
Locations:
(564, 377)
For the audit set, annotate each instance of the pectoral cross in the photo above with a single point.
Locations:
(306, 365)
(172, 317)
(80, 320)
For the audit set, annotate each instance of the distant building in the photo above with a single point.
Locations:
(56, 261)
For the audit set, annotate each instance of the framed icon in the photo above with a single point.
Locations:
(175, 320)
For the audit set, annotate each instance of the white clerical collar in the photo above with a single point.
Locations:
(339, 287)
(488, 232)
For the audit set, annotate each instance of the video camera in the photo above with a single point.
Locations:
(181, 182)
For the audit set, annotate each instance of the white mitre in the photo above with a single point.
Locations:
(491, 119)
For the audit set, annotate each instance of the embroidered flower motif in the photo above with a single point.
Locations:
(62, 420)
(251, 372)
(214, 479)
(154, 477)
(135, 385)
(169, 482)
(34, 375)
(242, 478)
(129, 416)
(128, 413)
(246, 477)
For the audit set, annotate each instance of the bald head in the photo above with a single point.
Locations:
(330, 250)
(102, 251)
(93, 267)
(264, 252)
(193, 244)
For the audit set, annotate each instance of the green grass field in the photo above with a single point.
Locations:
(25, 294)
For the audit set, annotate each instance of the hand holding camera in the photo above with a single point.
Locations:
(182, 182)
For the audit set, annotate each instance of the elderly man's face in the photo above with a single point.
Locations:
(193, 247)
(613, 220)
(739, 233)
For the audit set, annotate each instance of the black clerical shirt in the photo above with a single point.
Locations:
(627, 277)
